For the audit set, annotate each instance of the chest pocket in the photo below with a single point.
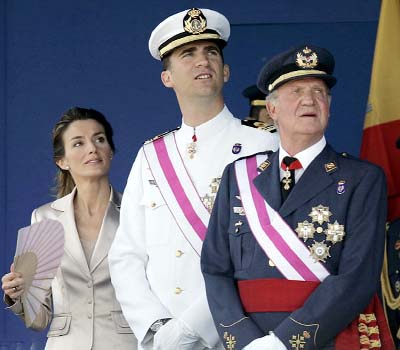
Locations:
(157, 217)
(241, 244)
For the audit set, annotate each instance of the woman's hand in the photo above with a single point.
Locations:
(13, 284)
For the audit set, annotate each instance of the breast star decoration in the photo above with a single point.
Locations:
(320, 227)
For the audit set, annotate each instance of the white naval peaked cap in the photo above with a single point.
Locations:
(188, 26)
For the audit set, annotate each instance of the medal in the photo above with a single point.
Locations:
(286, 180)
(215, 184)
(320, 214)
(239, 210)
(305, 230)
(319, 251)
(191, 147)
(208, 201)
(335, 232)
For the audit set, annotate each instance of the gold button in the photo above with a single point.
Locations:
(271, 263)
(153, 204)
(178, 253)
(178, 290)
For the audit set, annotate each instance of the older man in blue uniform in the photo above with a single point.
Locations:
(294, 248)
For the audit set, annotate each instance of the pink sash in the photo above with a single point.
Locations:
(177, 189)
(279, 242)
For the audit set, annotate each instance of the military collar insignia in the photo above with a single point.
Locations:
(307, 59)
(330, 167)
(194, 22)
(264, 165)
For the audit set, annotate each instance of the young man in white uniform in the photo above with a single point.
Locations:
(155, 258)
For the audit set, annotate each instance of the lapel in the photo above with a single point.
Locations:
(314, 180)
(72, 246)
(268, 184)
(107, 231)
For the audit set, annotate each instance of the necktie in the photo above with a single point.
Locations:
(289, 165)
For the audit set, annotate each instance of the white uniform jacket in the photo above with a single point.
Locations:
(81, 308)
(155, 272)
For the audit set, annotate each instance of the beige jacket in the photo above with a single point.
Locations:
(86, 314)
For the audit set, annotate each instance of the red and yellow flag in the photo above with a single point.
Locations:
(381, 134)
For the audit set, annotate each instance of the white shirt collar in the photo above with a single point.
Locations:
(305, 157)
(207, 129)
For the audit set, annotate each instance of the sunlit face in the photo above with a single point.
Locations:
(87, 151)
(301, 108)
(196, 69)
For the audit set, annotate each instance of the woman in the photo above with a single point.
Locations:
(81, 307)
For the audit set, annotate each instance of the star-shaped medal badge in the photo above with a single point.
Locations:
(320, 214)
(305, 230)
(320, 251)
(335, 232)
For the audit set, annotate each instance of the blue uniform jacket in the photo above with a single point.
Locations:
(355, 193)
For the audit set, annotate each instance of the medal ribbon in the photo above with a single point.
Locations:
(177, 189)
(279, 242)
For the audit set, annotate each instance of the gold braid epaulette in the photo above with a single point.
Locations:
(160, 135)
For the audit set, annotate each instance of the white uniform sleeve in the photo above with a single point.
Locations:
(128, 258)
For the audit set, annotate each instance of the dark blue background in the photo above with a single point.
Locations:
(57, 54)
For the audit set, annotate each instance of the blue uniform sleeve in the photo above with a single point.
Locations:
(343, 295)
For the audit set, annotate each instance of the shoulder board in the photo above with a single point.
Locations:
(161, 135)
(259, 125)
(268, 153)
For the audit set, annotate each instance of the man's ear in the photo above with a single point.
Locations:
(227, 73)
(271, 109)
(166, 78)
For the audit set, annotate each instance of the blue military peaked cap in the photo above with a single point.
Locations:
(255, 96)
(297, 63)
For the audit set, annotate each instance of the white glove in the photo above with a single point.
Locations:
(269, 342)
(175, 335)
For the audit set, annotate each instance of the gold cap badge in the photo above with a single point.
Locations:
(194, 22)
(307, 59)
